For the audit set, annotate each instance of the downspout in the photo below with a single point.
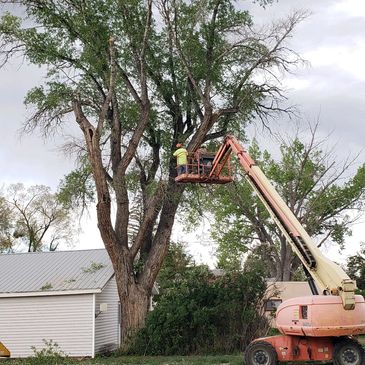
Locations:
(93, 328)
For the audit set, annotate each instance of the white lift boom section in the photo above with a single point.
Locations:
(329, 277)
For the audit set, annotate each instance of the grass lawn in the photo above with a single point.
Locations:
(143, 360)
(139, 360)
(170, 360)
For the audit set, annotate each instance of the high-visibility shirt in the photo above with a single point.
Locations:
(181, 155)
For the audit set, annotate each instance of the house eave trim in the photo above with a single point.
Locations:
(49, 293)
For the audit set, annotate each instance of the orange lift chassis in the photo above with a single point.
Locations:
(321, 327)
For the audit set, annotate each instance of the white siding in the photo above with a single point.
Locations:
(107, 324)
(26, 321)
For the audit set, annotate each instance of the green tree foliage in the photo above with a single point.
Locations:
(356, 268)
(176, 265)
(33, 220)
(200, 313)
(77, 189)
(6, 239)
(136, 79)
(314, 187)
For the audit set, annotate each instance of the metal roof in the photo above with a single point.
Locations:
(54, 273)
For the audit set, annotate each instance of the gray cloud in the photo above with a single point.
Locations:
(29, 158)
(334, 91)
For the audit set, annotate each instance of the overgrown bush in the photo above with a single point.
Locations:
(200, 313)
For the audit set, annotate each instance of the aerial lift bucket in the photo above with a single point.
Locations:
(200, 171)
(4, 352)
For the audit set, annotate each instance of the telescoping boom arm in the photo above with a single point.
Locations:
(329, 277)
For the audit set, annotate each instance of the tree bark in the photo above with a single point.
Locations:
(134, 304)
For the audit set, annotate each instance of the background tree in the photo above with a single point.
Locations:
(6, 238)
(176, 265)
(34, 219)
(356, 268)
(314, 187)
(136, 83)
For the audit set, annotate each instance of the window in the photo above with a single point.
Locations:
(304, 311)
(272, 304)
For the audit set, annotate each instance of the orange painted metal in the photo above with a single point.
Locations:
(298, 348)
(201, 179)
(320, 316)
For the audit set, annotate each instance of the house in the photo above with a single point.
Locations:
(69, 297)
(279, 291)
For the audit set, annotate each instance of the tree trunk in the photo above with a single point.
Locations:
(286, 256)
(287, 264)
(133, 296)
(134, 305)
(286, 275)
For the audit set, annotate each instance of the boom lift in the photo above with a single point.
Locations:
(318, 327)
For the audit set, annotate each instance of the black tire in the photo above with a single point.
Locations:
(260, 353)
(348, 352)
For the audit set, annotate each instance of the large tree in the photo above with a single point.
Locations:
(137, 78)
(318, 189)
(33, 219)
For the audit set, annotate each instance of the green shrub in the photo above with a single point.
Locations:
(51, 354)
(202, 314)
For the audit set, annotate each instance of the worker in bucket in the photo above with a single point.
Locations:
(181, 155)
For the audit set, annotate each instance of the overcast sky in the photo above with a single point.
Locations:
(331, 88)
